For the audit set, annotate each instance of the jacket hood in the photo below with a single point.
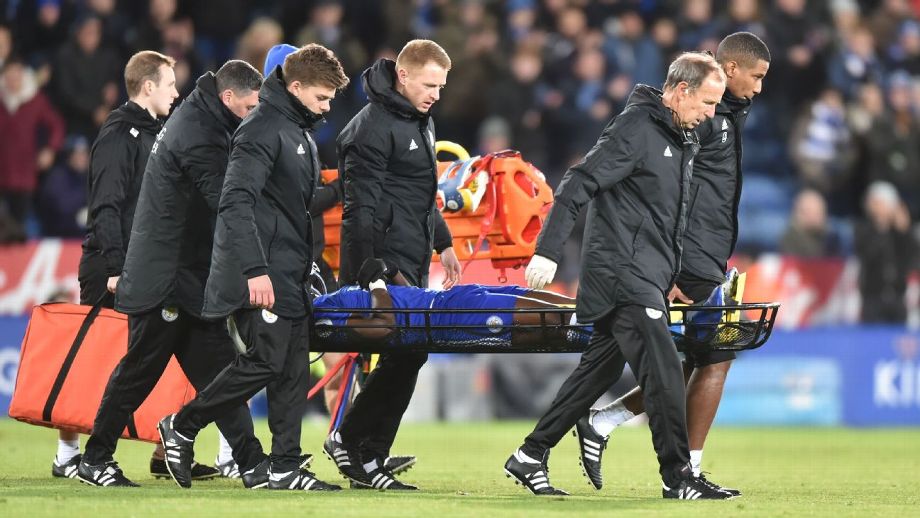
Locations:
(133, 114)
(378, 81)
(730, 103)
(274, 92)
(648, 99)
(208, 98)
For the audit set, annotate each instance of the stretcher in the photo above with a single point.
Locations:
(735, 327)
(697, 328)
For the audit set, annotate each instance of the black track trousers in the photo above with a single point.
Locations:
(276, 358)
(373, 420)
(627, 334)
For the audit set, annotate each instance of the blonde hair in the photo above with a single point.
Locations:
(144, 66)
(418, 53)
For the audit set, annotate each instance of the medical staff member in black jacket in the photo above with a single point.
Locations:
(162, 285)
(636, 184)
(117, 162)
(387, 160)
(327, 196)
(260, 264)
(712, 230)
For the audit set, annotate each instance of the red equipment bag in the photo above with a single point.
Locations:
(68, 353)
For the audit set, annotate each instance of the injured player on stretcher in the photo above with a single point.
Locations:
(471, 314)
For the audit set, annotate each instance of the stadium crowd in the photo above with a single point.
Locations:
(832, 165)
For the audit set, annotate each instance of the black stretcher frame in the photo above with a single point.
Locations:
(750, 331)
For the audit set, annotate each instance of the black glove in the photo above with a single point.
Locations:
(372, 270)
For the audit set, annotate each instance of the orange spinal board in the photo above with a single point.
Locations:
(502, 225)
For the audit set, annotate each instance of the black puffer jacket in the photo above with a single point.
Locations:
(118, 158)
(387, 160)
(263, 226)
(634, 181)
(712, 227)
(169, 255)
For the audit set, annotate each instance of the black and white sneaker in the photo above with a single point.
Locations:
(257, 477)
(374, 475)
(532, 475)
(230, 469)
(346, 460)
(179, 452)
(694, 488)
(717, 487)
(299, 480)
(379, 477)
(227, 469)
(67, 469)
(591, 446)
(103, 475)
(399, 463)
(159, 469)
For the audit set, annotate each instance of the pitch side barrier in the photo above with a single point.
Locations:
(694, 328)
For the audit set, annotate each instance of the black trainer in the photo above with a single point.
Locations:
(399, 463)
(199, 471)
(695, 488)
(717, 487)
(300, 480)
(346, 460)
(352, 468)
(591, 446)
(67, 469)
(230, 469)
(379, 477)
(532, 475)
(257, 477)
(103, 475)
(179, 452)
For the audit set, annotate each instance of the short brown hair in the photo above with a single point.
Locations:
(143, 66)
(314, 65)
(417, 53)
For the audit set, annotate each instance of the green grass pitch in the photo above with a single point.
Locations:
(782, 471)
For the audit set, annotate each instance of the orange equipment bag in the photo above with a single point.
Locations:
(67, 356)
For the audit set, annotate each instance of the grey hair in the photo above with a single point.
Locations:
(692, 68)
(884, 191)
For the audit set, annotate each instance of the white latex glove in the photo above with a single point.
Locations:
(539, 272)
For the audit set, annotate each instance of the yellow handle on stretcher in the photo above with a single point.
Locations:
(453, 148)
(737, 292)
